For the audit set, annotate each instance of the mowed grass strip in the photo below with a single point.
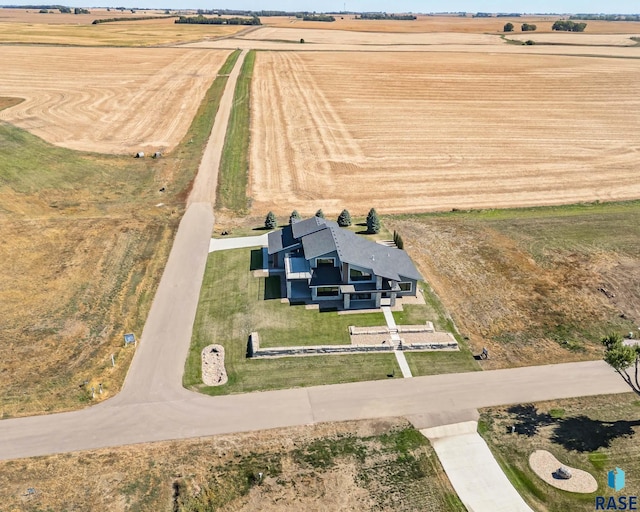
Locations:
(594, 434)
(232, 305)
(234, 165)
(189, 152)
(85, 245)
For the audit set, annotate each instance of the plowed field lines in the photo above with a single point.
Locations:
(414, 132)
(106, 100)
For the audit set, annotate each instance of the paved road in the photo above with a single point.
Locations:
(426, 401)
(153, 405)
(157, 368)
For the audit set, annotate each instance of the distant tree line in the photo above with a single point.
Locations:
(134, 18)
(568, 26)
(202, 20)
(606, 17)
(508, 15)
(317, 17)
(385, 16)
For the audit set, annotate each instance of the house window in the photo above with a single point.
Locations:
(361, 296)
(327, 291)
(406, 287)
(359, 275)
(325, 262)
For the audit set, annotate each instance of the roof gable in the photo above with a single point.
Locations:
(307, 226)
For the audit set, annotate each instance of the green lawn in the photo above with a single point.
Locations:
(232, 305)
(595, 434)
(234, 166)
(432, 363)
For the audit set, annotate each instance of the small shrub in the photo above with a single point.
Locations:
(320, 213)
(301, 41)
(508, 27)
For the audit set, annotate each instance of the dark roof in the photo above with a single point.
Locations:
(325, 276)
(308, 226)
(280, 239)
(320, 237)
(384, 261)
(318, 243)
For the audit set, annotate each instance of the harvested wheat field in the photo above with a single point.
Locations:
(32, 27)
(118, 101)
(330, 37)
(409, 132)
(54, 16)
(423, 23)
(458, 24)
(578, 39)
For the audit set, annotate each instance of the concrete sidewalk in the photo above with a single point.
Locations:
(395, 339)
(222, 244)
(473, 471)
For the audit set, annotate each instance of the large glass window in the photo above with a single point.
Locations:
(327, 291)
(325, 262)
(359, 275)
(361, 296)
(406, 287)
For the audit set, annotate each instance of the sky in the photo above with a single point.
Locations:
(426, 6)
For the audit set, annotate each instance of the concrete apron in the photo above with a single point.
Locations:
(474, 473)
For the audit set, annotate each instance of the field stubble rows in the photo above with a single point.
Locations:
(119, 101)
(415, 132)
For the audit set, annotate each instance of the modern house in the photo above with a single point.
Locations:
(323, 262)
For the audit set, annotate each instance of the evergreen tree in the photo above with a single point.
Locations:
(344, 219)
(294, 217)
(270, 221)
(373, 222)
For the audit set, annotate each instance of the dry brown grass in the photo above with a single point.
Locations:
(156, 477)
(118, 101)
(528, 285)
(408, 132)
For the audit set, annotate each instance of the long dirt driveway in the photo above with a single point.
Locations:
(154, 406)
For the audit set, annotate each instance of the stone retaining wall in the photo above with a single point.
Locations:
(254, 350)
